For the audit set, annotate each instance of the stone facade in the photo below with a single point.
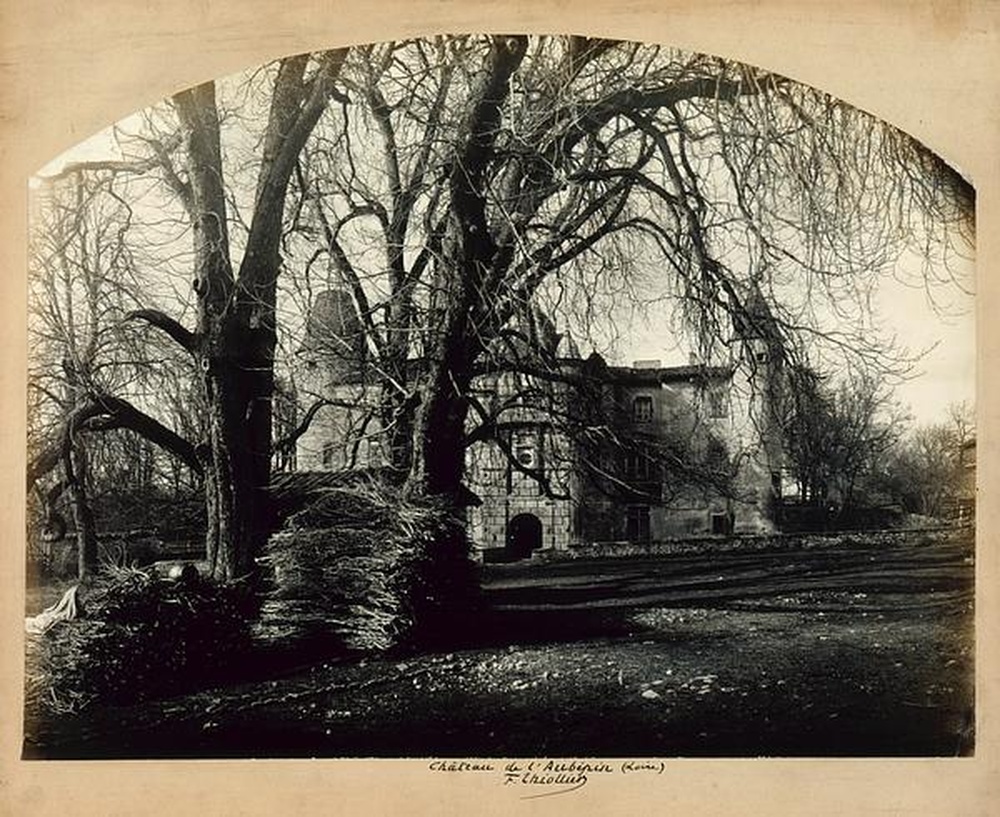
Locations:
(583, 453)
(615, 487)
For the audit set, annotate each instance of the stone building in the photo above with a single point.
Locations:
(579, 452)
(333, 366)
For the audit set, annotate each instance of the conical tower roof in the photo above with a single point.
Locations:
(334, 335)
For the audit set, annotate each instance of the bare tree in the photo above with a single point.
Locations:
(509, 169)
(86, 372)
(926, 471)
(457, 180)
(838, 435)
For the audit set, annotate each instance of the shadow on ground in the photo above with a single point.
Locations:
(870, 656)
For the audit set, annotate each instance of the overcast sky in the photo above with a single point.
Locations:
(945, 375)
(948, 372)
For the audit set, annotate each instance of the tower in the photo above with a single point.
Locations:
(758, 383)
(332, 368)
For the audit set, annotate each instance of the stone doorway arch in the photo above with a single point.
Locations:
(524, 535)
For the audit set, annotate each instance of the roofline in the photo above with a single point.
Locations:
(668, 374)
(611, 374)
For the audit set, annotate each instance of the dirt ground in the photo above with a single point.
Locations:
(857, 651)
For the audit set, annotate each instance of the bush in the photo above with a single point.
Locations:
(139, 637)
(369, 568)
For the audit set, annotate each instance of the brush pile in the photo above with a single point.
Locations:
(139, 637)
(363, 566)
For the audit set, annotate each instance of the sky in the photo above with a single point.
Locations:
(945, 375)
(948, 371)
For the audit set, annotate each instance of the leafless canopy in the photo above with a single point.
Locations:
(447, 183)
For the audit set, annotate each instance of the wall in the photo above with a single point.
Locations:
(504, 490)
(690, 406)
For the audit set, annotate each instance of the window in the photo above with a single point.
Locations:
(524, 445)
(716, 456)
(637, 523)
(637, 466)
(642, 408)
(328, 451)
(524, 453)
(776, 483)
(722, 523)
(717, 402)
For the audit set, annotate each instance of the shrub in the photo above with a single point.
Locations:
(369, 568)
(139, 637)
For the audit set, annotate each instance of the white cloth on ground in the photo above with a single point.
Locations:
(64, 610)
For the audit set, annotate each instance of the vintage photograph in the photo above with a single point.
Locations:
(500, 396)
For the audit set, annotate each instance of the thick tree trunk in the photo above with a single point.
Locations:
(439, 434)
(469, 256)
(439, 427)
(235, 338)
(239, 385)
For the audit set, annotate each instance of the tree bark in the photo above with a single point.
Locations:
(239, 386)
(235, 340)
(468, 257)
(438, 460)
(83, 516)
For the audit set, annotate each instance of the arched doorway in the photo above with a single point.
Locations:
(524, 534)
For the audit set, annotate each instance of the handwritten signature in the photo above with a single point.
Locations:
(547, 778)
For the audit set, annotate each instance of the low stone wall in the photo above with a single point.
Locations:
(763, 542)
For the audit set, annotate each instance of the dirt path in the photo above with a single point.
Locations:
(939, 571)
(860, 654)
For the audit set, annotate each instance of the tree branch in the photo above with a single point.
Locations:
(186, 338)
(289, 138)
(103, 412)
(114, 165)
(289, 440)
